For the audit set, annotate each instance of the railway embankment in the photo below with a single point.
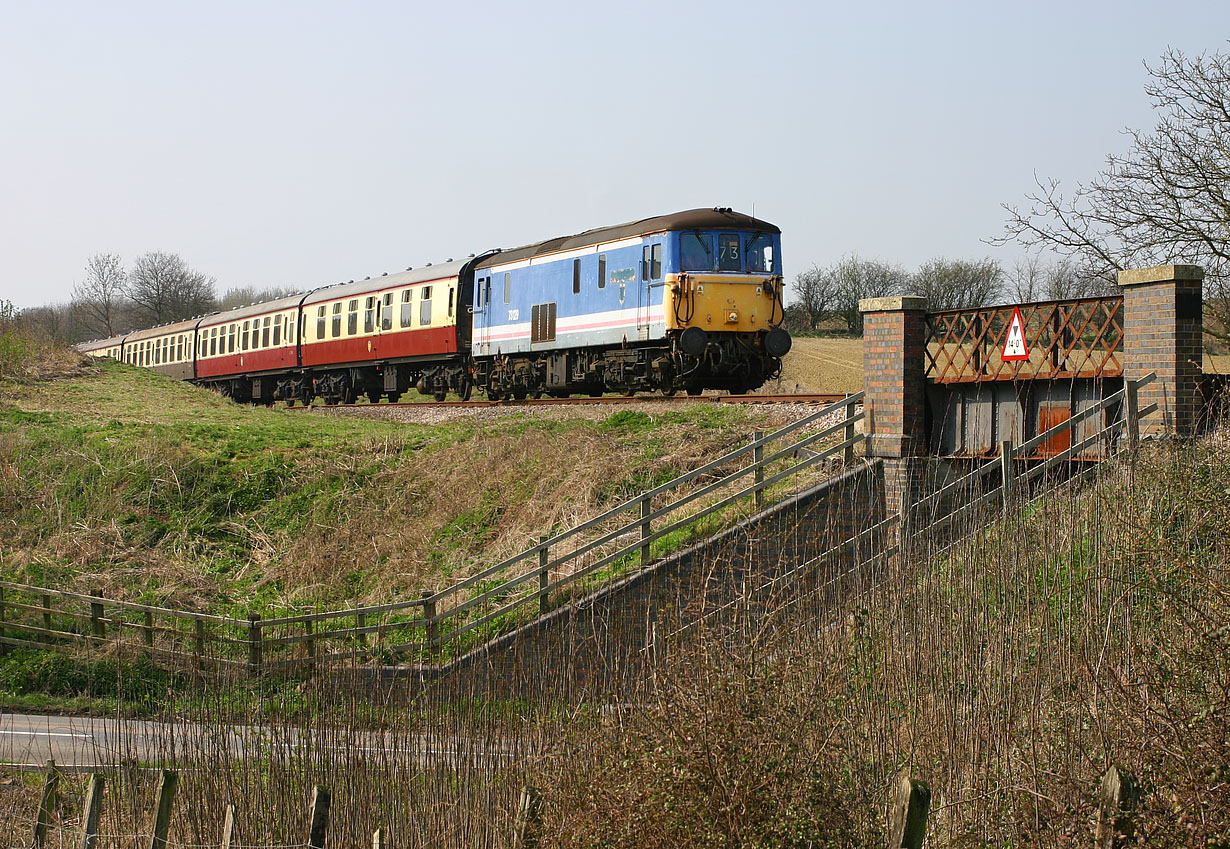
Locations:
(123, 482)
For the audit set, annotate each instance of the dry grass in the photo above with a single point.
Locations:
(822, 365)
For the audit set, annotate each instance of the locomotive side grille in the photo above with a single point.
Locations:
(542, 323)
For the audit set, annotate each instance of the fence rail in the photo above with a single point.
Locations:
(601, 549)
(1066, 339)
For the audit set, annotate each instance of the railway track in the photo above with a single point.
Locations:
(609, 400)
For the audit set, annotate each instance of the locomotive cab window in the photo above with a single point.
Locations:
(651, 262)
(729, 258)
(759, 253)
(696, 252)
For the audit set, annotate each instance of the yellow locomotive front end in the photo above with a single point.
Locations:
(724, 305)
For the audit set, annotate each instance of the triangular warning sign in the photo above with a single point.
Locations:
(1014, 345)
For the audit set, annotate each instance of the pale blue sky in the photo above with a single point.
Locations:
(299, 144)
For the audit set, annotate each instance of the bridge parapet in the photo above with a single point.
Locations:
(938, 385)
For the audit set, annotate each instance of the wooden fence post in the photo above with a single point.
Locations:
(309, 628)
(162, 816)
(1117, 798)
(429, 616)
(320, 817)
(1007, 472)
(199, 643)
(93, 808)
(47, 806)
(526, 829)
(1131, 412)
(228, 826)
(46, 611)
(254, 645)
(850, 432)
(97, 627)
(758, 461)
(646, 530)
(907, 824)
(4, 648)
(360, 621)
(147, 632)
(544, 603)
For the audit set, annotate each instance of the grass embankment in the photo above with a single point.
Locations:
(1008, 671)
(153, 491)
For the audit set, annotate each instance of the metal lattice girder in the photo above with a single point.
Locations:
(1065, 339)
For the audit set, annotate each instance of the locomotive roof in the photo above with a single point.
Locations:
(690, 219)
(387, 281)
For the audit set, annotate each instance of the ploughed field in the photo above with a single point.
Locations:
(123, 482)
(817, 364)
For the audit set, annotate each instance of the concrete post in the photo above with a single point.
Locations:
(1162, 318)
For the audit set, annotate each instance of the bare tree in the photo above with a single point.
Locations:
(951, 284)
(165, 288)
(1165, 200)
(856, 278)
(815, 295)
(239, 296)
(97, 300)
(1034, 279)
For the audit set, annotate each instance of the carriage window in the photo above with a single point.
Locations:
(450, 301)
(265, 332)
(759, 252)
(728, 252)
(601, 271)
(576, 277)
(179, 348)
(407, 309)
(425, 306)
(230, 339)
(277, 330)
(213, 341)
(352, 317)
(320, 322)
(507, 287)
(386, 318)
(256, 334)
(369, 314)
(696, 252)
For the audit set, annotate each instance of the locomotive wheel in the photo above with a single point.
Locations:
(440, 394)
(519, 394)
(466, 391)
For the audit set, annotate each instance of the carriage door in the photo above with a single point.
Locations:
(482, 297)
(651, 276)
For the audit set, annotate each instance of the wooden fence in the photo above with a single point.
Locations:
(909, 805)
(447, 622)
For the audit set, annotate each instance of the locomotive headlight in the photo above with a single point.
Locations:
(732, 316)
